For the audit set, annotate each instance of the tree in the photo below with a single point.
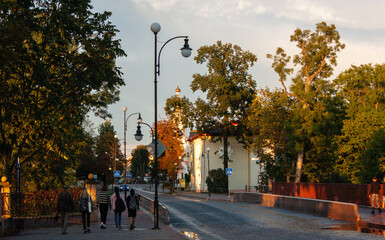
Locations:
(359, 151)
(180, 110)
(107, 152)
(140, 162)
(57, 62)
(229, 87)
(268, 118)
(317, 56)
(168, 134)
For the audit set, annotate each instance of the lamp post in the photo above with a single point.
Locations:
(124, 142)
(208, 167)
(114, 156)
(186, 52)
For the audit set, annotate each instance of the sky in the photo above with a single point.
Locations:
(258, 26)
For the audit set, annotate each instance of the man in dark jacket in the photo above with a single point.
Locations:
(374, 190)
(65, 205)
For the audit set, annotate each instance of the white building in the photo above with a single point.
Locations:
(245, 169)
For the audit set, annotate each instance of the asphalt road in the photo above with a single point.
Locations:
(208, 219)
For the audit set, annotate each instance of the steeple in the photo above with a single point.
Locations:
(177, 90)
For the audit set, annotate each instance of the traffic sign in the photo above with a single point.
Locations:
(151, 148)
(129, 175)
(116, 173)
(229, 171)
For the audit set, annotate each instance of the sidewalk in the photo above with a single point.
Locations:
(143, 230)
(369, 220)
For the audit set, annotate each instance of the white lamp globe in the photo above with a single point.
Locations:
(155, 27)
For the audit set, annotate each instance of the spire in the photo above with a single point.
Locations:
(177, 90)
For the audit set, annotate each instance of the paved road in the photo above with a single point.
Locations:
(208, 219)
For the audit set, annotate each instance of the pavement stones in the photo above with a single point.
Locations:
(143, 230)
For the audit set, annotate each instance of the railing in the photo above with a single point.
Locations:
(40, 205)
(342, 192)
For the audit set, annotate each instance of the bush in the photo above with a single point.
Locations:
(216, 181)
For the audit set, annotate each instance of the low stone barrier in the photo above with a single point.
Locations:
(331, 209)
(148, 204)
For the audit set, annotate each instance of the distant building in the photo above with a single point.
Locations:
(245, 170)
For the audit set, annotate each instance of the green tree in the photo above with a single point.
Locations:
(268, 118)
(108, 152)
(57, 62)
(317, 56)
(140, 163)
(359, 156)
(229, 90)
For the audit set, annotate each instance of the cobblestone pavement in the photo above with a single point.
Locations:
(144, 224)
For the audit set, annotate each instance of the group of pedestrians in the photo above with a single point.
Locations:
(116, 203)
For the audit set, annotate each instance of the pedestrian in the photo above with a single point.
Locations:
(132, 204)
(118, 207)
(86, 208)
(383, 193)
(103, 201)
(374, 190)
(65, 204)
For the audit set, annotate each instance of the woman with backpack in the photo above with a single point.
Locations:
(118, 206)
(132, 204)
(86, 207)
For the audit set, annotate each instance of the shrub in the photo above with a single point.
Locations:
(216, 181)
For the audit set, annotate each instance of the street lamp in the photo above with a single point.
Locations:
(125, 157)
(114, 156)
(186, 52)
(139, 136)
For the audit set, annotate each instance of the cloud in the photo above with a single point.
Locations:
(352, 14)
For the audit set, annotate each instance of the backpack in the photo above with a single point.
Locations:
(119, 205)
(132, 203)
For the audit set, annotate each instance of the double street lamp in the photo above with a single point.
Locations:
(139, 120)
(186, 52)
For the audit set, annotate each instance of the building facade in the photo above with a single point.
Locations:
(206, 154)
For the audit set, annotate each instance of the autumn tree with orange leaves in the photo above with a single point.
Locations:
(169, 135)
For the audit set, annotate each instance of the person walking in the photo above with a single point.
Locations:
(86, 207)
(118, 207)
(65, 204)
(383, 193)
(103, 201)
(132, 204)
(374, 190)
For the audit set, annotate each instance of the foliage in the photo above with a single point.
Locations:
(316, 58)
(373, 158)
(358, 153)
(216, 181)
(268, 117)
(57, 63)
(140, 162)
(168, 134)
(107, 148)
(87, 158)
(180, 110)
(228, 86)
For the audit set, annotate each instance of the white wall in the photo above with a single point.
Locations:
(245, 170)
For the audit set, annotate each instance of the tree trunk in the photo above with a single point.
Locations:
(225, 160)
(298, 170)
